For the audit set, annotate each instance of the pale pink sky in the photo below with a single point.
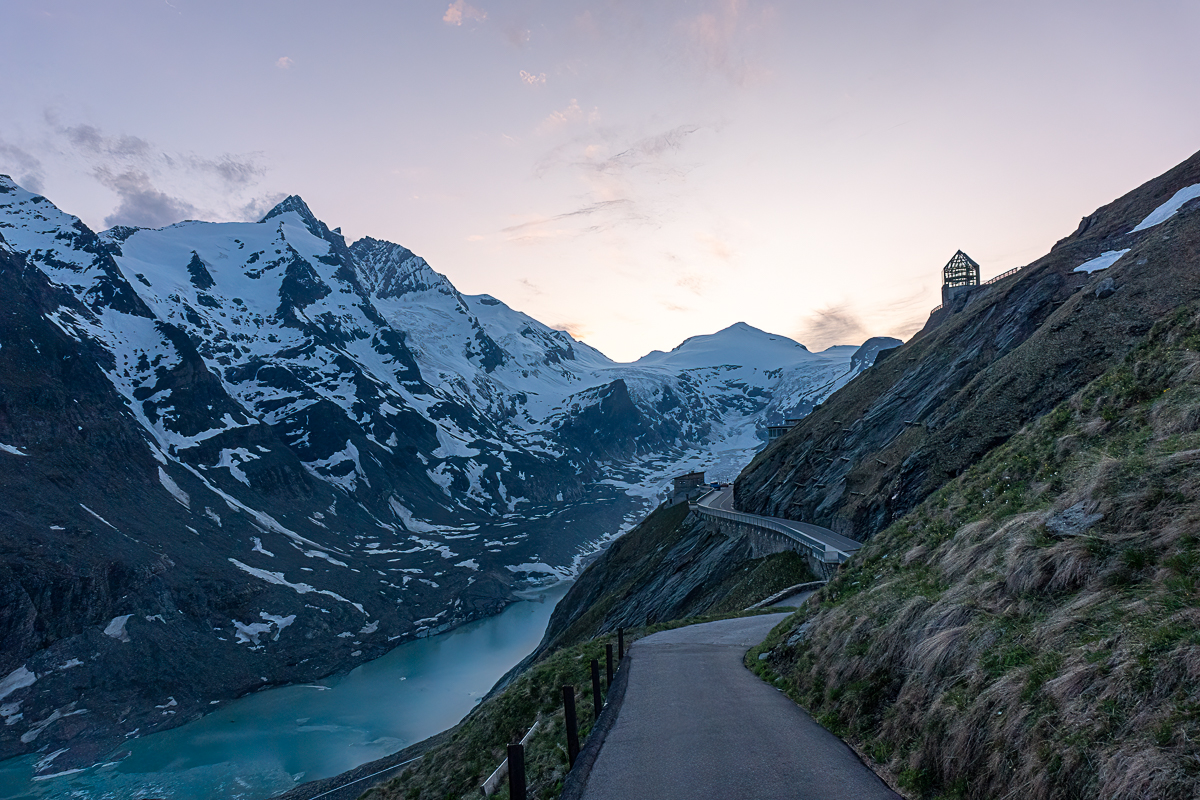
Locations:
(637, 173)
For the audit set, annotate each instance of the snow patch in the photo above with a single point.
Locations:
(1169, 208)
(16, 451)
(97, 516)
(116, 628)
(470, 563)
(173, 488)
(299, 588)
(19, 678)
(1102, 261)
(410, 522)
(563, 573)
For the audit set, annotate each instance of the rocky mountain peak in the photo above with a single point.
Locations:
(292, 202)
(389, 270)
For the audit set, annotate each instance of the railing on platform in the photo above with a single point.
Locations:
(988, 282)
(1002, 276)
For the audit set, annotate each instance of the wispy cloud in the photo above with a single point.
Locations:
(628, 181)
(557, 120)
(153, 187)
(534, 80)
(722, 39)
(595, 217)
(284, 62)
(833, 324)
(611, 156)
(141, 204)
(577, 330)
(459, 10)
(517, 37)
(23, 166)
(849, 323)
(693, 282)
(717, 246)
(89, 139)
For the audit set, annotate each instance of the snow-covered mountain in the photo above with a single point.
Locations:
(253, 447)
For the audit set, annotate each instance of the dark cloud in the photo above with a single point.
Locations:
(23, 166)
(141, 203)
(91, 140)
(839, 324)
(151, 183)
(257, 208)
(233, 171)
(834, 324)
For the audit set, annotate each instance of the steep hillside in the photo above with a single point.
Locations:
(1033, 627)
(987, 365)
(670, 567)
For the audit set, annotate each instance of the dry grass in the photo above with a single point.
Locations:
(973, 654)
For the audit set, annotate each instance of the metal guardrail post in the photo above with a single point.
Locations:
(516, 772)
(597, 698)
(568, 693)
(608, 666)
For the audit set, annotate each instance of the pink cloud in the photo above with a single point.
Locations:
(459, 10)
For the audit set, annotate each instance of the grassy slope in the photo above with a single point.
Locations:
(975, 653)
(457, 767)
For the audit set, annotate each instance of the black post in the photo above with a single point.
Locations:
(620, 643)
(608, 666)
(597, 700)
(516, 771)
(572, 724)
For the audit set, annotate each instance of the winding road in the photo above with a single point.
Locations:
(695, 723)
(722, 500)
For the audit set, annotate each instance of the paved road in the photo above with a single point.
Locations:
(722, 500)
(695, 723)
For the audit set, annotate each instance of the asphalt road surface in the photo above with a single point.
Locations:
(695, 723)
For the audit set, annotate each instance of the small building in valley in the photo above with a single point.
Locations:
(685, 483)
(775, 431)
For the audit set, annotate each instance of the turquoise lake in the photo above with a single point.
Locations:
(268, 742)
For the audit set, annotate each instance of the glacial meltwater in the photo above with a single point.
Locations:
(266, 743)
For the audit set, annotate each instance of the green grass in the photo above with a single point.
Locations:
(972, 653)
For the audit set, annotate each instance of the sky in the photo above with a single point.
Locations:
(635, 173)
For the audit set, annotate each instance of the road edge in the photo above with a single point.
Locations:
(576, 780)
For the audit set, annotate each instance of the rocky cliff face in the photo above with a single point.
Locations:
(982, 368)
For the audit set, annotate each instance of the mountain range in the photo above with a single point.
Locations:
(236, 455)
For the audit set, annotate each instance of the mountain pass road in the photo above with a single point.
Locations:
(696, 723)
